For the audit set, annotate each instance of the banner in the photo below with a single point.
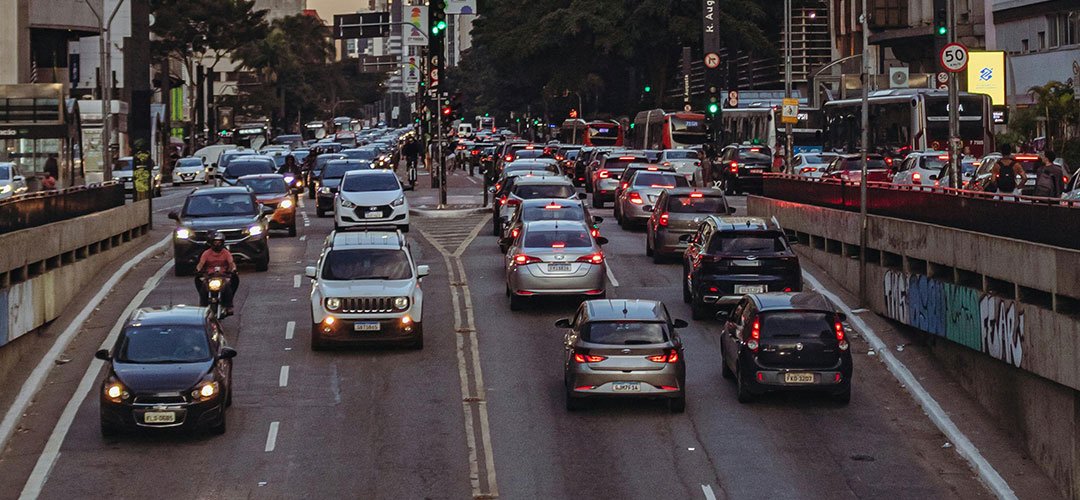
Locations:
(414, 31)
(455, 7)
(986, 75)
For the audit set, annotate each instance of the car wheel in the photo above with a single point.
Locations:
(843, 397)
(317, 343)
(263, 265)
(109, 430)
(320, 212)
(292, 229)
(418, 343)
(574, 404)
(517, 302)
(725, 371)
(219, 427)
(728, 189)
(648, 246)
(677, 405)
(596, 202)
(742, 390)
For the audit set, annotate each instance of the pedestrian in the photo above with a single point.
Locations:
(411, 150)
(1050, 178)
(49, 182)
(1005, 172)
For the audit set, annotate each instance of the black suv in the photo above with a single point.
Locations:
(786, 342)
(232, 211)
(741, 168)
(729, 257)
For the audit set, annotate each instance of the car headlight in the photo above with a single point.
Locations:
(206, 390)
(324, 190)
(401, 302)
(299, 184)
(214, 284)
(289, 179)
(398, 202)
(115, 391)
(255, 230)
(333, 304)
(346, 203)
(183, 233)
(285, 204)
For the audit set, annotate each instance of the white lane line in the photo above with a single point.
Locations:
(707, 490)
(271, 437)
(283, 377)
(51, 452)
(303, 237)
(471, 180)
(290, 327)
(296, 281)
(964, 446)
(611, 276)
(37, 377)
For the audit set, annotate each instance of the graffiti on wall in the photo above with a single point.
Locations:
(963, 315)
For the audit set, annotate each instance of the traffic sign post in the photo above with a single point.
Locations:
(733, 99)
(790, 111)
(712, 60)
(953, 58)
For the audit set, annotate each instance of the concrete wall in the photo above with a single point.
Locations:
(1005, 343)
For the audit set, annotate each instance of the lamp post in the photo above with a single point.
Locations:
(105, 70)
(865, 20)
(787, 79)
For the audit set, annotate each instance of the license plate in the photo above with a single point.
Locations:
(559, 268)
(749, 288)
(159, 417)
(799, 378)
(366, 327)
(373, 215)
(626, 386)
(128, 185)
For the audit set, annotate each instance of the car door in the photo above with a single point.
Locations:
(570, 338)
(659, 208)
(729, 344)
(700, 243)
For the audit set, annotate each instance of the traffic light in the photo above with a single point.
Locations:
(573, 113)
(714, 108)
(941, 20)
(648, 88)
(437, 17)
(447, 111)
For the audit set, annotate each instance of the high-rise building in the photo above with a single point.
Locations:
(34, 37)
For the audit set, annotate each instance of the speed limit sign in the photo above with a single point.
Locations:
(954, 57)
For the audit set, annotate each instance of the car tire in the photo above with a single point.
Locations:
(575, 404)
(292, 229)
(109, 430)
(677, 405)
(648, 246)
(517, 302)
(263, 265)
(742, 390)
(843, 397)
(596, 202)
(220, 427)
(418, 343)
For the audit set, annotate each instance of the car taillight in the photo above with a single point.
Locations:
(509, 157)
(697, 163)
(603, 174)
(734, 167)
(596, 258)
(841, 340)
(671, 356)
(580, 357)
(522, 259)
(755, 336)
(663, 219)
(636, 199)
(594, 232)
(475, 153)
(624, 185)
(888, 161)
(515, 232)
(513, 202)
(697, 195)
(807, 170)
(916, 177)
(943, 157)
(502, 201)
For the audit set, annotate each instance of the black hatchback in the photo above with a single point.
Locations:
(786, 342)
(170, 368)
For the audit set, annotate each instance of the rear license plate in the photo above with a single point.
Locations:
(366, 327)
(749, 288)
(373, 215)
(159, 417)
(559, 268)
(799, 378)
(626, 386)
(128, 185)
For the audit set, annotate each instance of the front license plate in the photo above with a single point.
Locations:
(626, 386)
(128, 185)
(559, 268)
(799, 378)
(373, 215)
(159, 417)
(749, 288)
(366, 327)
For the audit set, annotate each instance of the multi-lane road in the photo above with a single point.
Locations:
(477, 413)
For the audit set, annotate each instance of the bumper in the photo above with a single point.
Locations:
(251, 249)
(833, 380)
(585, 382)
(344, 331)
(667, 242)
(635, 213)
(589, 280)
(186, 416)
(725, 292)
(345, 217)
(187, 177)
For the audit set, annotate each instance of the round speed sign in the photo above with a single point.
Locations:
(954, 57)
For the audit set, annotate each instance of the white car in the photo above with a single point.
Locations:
(371, 198)
(811, 165)
(921, 168)
(366, 289)
(685, 161)
(123, 171)
(12, 182)
(190, 169)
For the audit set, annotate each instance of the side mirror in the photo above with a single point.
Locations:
(19, 178)
(227, 353)
(309, 271)
(600, 240)
(174, 215)
(423, 270)
(730, 210)
(597, 220)
(680, 323)
(266, 210)
(562, 323)
(722, 315)
(103, 354)
(582, 196)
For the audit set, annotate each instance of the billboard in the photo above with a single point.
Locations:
(986, 75)
(454, 7)
(415, 29)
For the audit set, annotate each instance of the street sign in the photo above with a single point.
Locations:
(366, 25)
(712, 60)
(953, 57)
(710, 26)
(733, 99)
(686, 107)
(942, 77)
(790, 111)
(455, 7)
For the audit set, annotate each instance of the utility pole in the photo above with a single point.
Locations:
(865, 19)
(437, 52)
(787, 78)
(954, 104)
(105, 72)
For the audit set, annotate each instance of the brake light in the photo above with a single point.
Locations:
(807, 170)
(559, 157)
(652, 169)
(626, 158)
(596, 258)
(515, 232)
(664, 219)
(502, 201)
(888, 161)
(530, 147)
(475, 153)
(580, 357)
(603, 174)
(624, 185)
(509, 157)
(1026, 157)
(667, 163)
(755, 150)
(755, 336)
(552, 206)
(662, 186)
(558, 244)
(671, 356)
(841, 340)
(522, 259)
(594, 232)
(734, 168)
(943, 157)
(916, 177)
(697, 195)
(636, 199)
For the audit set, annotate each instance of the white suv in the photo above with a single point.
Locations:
(371, 198)
(366, 289)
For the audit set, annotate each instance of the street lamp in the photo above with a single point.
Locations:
(105, 63)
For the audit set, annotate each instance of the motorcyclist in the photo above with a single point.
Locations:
(217, 261)
(411, 150)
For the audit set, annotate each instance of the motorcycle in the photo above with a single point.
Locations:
(213, 285)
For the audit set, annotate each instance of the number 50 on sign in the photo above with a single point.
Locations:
(954, 57)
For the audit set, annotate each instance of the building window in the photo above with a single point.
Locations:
(1063, 29)
(1042, 40)
(1024, 48)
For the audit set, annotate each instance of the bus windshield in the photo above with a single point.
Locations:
(603, 135)
(687, 130)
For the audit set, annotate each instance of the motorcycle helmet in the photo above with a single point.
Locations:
(216, 239)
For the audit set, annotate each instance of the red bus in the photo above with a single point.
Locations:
(658, 129)
(594, 133)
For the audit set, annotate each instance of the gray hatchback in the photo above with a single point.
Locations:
(624, 348)
(678, 212)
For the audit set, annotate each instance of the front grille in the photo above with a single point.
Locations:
(159, 400)
(229, 234)
(355, 305)
(384, 211)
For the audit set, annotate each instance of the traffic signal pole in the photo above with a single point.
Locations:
(954, 104)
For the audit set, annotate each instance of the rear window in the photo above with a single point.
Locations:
(240, 168)
(533, 191)
(659, 180)
(558, 238)
(547, 167)
(681, 154)
(616, 163)
(529, 153)
(746, 243)
(267, 185)
(871, 164)
(624, 332)
(360, 154)
(337, 170)
(321, 160)
(748, 156)
(685, 204)
(806, 325)
(553, 211)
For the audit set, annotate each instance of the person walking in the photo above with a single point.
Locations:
(1050, 178)
(1005, 172)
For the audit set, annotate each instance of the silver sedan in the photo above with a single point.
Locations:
(555, 258)
(635, 204)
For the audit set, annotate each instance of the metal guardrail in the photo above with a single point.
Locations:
(45, 207)
(1049, 221)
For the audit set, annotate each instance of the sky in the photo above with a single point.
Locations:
(327, 8)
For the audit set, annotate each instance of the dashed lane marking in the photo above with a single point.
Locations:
(283, 377)
(290, 327)
(611, 276)
(707, 490)
(296, 281)
(271, 437)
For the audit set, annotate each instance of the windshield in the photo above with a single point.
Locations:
(746, 243)
(123, 165)
(366, 264)
(558, 238)
(241, 168)
(688, 130)
(696, 205)
(532, 191)
(360, 154)
(209, 205)
(189, 162)
(681, 154)
(371, 182)
(603, 134)
(337, 170)
(163, 344)
(624, 332)
(268, 185)
(553, 211)
(660, 180)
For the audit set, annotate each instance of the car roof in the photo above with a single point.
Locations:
(780, 301)
(261, 176)
(168, 315)
(373, 171)
(624, 309)
(543, 202)
(725, 223)
(680, 191)
(222, 190)
(544, 179)
(339, 240)
(264, 158)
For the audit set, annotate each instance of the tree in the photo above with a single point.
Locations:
(204, 30)
(1055, 102)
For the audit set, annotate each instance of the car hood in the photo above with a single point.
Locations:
(179, 377)
(367, 288)
(330, 183)
(189, 168)
(371, 198)
(228, 222)
(271, 198)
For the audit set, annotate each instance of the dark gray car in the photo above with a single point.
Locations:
(678, 212)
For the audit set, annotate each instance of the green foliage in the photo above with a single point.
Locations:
(204, 29)
(1071, 153)
(1056, 102)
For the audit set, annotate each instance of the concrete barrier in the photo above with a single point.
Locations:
(42, 269)
(1007, 311)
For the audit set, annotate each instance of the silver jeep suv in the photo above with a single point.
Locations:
(365, 290)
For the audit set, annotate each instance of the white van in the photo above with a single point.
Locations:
(464, 130)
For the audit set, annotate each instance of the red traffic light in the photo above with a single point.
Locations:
(447, 110)
(573, 113)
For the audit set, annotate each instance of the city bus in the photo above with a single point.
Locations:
(252, 135)
(761, 124)
(659, 129)
(40, 130)
(485, 123)
(905, 120)
(592, 133)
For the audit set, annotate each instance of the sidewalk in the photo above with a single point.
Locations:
(463, 192)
